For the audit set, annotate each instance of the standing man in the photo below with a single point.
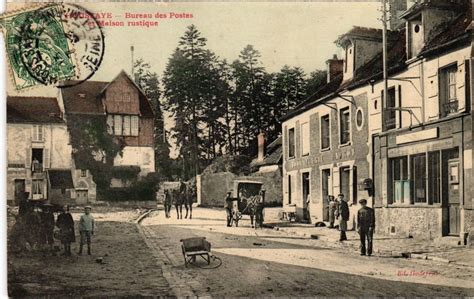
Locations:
(344, 214)
(228, 207)
(86, 228)
(365, 227)
(47, 226)
(65, 223)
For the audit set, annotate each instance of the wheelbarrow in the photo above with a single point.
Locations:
(194, 247)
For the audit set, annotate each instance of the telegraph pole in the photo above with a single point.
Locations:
(384, 55)
(132, 75)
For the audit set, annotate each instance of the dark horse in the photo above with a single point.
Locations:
(178, 201)
(188, 195)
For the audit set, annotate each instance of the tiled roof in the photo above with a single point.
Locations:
(459, 30)
(83, 98)
(274, 154)
(60, 179)
(33, 110)
(372, 70)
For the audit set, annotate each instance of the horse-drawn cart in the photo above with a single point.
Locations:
(248, 198)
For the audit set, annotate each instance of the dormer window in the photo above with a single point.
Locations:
(82, 95)
(415, 36)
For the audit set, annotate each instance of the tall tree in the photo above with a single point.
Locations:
(315, 81)
(251, 92)
(188, 89)
(149, 82)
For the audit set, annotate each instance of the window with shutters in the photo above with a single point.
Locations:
(38, 133)
(325, 133)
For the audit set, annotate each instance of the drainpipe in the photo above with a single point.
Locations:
(384, 58)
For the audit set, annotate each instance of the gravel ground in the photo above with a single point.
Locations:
(127, 270)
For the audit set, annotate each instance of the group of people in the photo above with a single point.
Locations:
(252, 205)
(36, 226)
(339, 210)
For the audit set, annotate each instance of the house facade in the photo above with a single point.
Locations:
(422, 136)
(127, 114)
(412, 148)
(37, 146)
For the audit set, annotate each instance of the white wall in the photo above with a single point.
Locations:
(138, 156)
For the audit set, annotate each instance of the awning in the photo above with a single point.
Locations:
(60, 179)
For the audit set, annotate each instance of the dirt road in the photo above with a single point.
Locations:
(128, 269)
(268, 263)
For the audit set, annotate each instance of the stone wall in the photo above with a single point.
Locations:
(215, 186)
(422, 223)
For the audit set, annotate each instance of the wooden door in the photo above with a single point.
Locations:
(454, 210)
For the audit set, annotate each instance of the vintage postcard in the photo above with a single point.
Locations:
(239, 149)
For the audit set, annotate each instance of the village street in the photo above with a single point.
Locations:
(145, 259)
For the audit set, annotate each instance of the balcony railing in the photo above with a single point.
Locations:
(451, 107)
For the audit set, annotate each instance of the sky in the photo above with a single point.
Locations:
(296, 34)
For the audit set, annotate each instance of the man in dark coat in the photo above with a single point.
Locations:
(47, 226)
(344, 216)
(365, 227)
(65, 223)
(228, 207)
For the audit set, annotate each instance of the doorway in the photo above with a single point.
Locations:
(305, 189)
(345, 174)
(19, 191)
(325, 179)
(450, 185)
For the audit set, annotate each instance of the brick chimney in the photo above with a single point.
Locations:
(261, 146)
(334, 67)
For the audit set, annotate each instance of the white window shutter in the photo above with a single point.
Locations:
(46, 160)
(28, 158)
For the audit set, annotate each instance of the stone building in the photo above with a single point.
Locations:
(414, 145)
(128, 115)
(37, 148)
(422, 134)
(326, 138)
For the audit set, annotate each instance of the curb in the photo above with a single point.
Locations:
(178, 286)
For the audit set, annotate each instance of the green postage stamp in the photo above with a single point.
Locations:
(37, 47)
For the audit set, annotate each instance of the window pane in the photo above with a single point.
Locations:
(134, 130)
(325, 133)
(117, 124)
(126, 125)
(398, 180)
(345, 125)
(434, 177)
(291, 142)
(110, 124)
(418, 175)
(305, 138)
